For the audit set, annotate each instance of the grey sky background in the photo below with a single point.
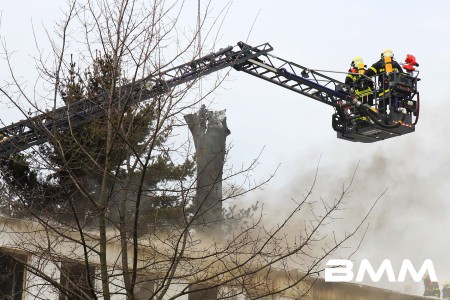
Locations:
(411, 221)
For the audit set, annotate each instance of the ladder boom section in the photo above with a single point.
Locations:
(295, 77)
(35, 130)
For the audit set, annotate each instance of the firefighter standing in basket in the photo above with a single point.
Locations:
(362, 86)
(382, 68)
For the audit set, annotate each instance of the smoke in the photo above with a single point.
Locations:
(410, 220)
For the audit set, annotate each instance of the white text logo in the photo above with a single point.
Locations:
(341, 270)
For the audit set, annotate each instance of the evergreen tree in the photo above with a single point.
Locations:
(67, 173)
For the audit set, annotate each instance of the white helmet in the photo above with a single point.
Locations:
(387, 53)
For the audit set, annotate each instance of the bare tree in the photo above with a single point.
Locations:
(108, 206)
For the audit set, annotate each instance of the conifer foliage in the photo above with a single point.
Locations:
(65, 175)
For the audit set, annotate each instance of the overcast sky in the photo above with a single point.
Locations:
(412, 220)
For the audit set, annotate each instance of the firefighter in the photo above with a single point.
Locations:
(362, 86)
(383, 68)
(446, 291)
(386, 64)
(356, 67)
(431, 287)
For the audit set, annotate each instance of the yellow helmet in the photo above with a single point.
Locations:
(357, 60)
(387, 53)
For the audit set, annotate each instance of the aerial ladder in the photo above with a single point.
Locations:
(353, 120)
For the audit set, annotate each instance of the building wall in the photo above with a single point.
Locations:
(37, 287)
(348, 291)
(17, 236)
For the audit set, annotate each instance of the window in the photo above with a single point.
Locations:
(203, 292)
(12, 273)
(76, 281)
(144, 289)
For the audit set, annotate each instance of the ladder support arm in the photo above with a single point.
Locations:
(256, 61)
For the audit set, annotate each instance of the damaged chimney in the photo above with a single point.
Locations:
(209, 130)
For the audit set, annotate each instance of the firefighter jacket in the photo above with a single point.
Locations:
(379, 69)
(432, 289)
(362, 86)
(351, 76)
(446, 292)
